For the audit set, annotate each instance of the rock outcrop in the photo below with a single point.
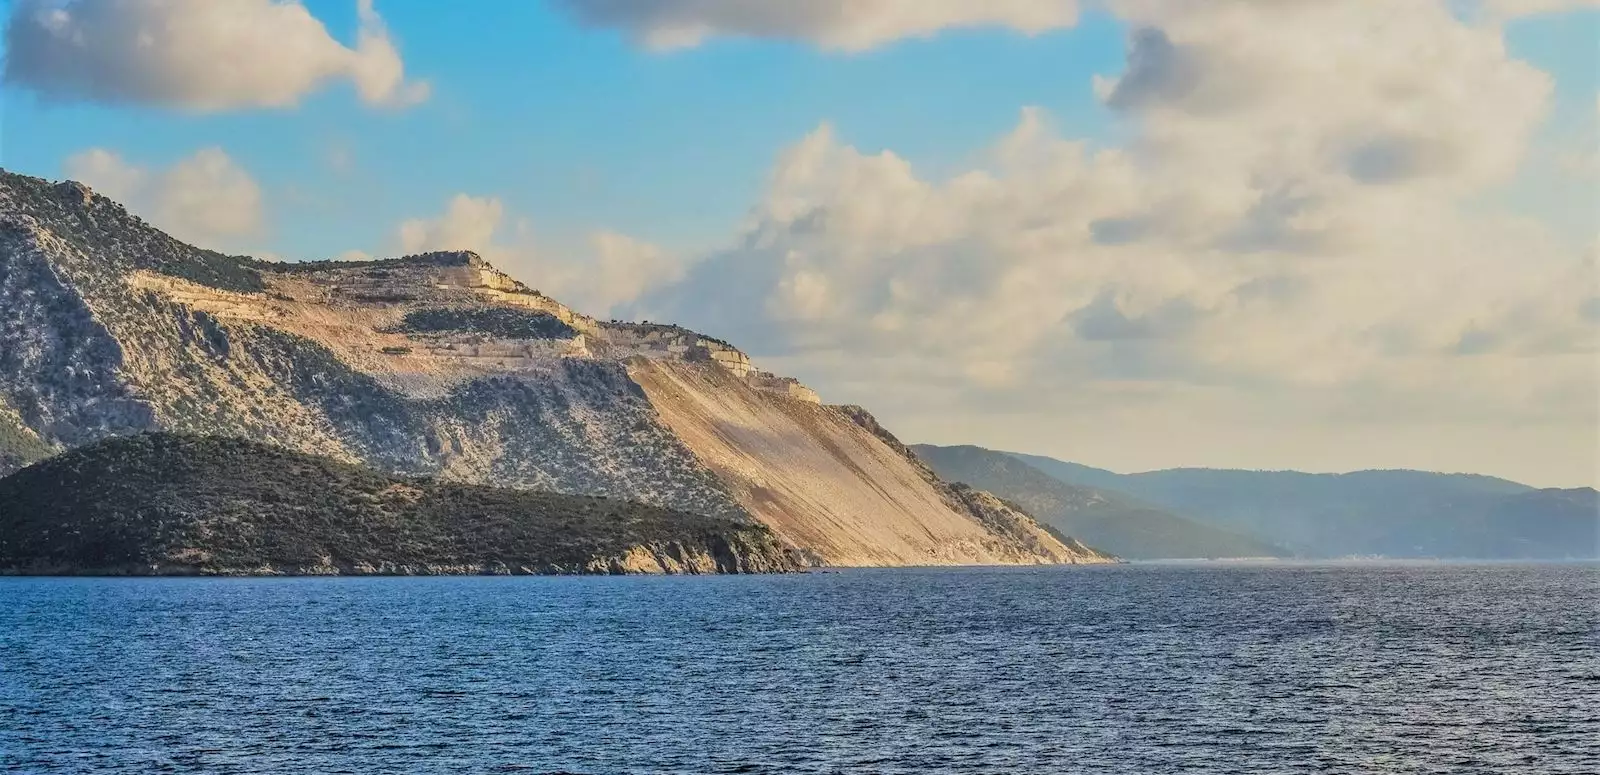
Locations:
(441, 365)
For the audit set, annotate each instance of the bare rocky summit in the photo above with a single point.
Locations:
(439, 365)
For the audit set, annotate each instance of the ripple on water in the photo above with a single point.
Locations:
(1134, 669)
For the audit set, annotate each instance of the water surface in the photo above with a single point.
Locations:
(1144, 669)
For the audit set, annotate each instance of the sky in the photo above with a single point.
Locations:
(1136, 234)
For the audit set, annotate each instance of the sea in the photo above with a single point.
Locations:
(1139, 668)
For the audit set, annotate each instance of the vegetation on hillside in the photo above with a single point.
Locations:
(94, 224)
(506, 322)
(375, 267)
(168, 503)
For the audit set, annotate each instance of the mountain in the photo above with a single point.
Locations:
(1072, 473)
(1109, 520)
(440, 365)
(1387, 513)
(165, 504)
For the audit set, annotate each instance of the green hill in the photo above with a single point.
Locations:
(178, 504)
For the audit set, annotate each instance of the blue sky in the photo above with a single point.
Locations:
(582, 129)
(1269, 303)
(1568, 47)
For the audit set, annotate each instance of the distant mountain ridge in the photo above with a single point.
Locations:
(1393, 513)
(1113, 521)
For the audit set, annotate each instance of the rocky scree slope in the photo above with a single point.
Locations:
(440, 365)
(175, 504)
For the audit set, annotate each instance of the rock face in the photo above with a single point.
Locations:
(440, 365)
(172, 504)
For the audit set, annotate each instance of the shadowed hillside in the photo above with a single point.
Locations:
(174, 504)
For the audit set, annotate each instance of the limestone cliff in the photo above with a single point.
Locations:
(441, 365)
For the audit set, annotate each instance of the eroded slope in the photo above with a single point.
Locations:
(825, 481)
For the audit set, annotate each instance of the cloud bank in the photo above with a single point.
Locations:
(844, 26)
(199, 55)
(1291, 236)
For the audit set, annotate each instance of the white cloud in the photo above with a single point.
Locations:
(468, 223)
(621, 269)
(1405, 93)
(1295, 224)
(1581, 163)
(1511, 9)
(613, 270)
(204, 198)
(201, 55)
(849, 26)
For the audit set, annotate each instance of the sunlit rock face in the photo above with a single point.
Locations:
(440, 364)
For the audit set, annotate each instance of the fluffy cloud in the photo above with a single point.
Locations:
(468, 223)
(847, 26)
(612, 270)
(1294, 228)
(1263, 89)
(621, 269)
(205, 198)
(202, 55)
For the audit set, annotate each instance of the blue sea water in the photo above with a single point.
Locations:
(1148, 669)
